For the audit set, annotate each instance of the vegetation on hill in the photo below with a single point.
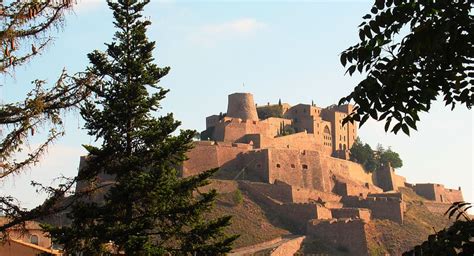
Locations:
(148, 210)
(374, 159)
(265, 112)
(249, 220)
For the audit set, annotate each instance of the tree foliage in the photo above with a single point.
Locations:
(374, 159)
(25, 33)
(147, 209)
(404, 77)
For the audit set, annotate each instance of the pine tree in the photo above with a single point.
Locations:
(148, 209)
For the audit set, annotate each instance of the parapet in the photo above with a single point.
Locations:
(241, 105)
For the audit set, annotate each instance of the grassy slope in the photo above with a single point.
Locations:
(391, 237)
(249, 220)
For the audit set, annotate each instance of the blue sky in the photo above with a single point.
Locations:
(273, 49)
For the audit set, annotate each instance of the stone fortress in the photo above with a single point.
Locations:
(305, 175)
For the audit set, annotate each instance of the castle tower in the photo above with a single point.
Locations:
(241, 105)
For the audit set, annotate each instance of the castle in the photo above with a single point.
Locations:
(295, 160)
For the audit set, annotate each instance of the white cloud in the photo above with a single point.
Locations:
(239, 28)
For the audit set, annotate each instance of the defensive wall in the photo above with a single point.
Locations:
(438, 193)
(350, 234)
(387, 179)
(352, 213)
(209, 154)
(390, 208)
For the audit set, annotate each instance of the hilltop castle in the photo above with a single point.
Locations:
(295, 160)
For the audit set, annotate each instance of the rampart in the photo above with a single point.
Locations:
(381, 207)
(387, 179)
(352, 213)
(438, 193)
(207, 155)
(347, 234)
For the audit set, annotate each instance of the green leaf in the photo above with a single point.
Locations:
(405, 129)
(343, 59)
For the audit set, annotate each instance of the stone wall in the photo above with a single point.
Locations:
(438, 193)
(352, 213)
(381, 207)
(346, 233)
(207, 155)
(388, 180)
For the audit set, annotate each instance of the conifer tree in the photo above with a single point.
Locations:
(148, 209)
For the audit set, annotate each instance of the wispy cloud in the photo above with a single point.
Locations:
(213, 33)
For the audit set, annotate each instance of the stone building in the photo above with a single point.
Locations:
(294, 160)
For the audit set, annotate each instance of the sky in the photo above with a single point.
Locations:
(272, 49)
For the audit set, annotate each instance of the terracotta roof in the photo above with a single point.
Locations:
(36, 247)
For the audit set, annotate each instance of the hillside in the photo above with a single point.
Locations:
(249, 220)
(257, 224)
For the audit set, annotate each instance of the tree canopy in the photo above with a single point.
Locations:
(374, 159)
(403, 77)
(147, 209)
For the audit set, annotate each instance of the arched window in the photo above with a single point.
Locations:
(305, 166)
(326, 130)
(34, 239)
(278, 165)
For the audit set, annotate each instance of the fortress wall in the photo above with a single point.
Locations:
(235, 129)
(437, 207)
(381, 207)
(212, 121)
(346, 187)
(274, 124)
(300, 214)
(200, 158)
(354, 213)
(299, 168)
(386, 178)
(345, 168)
(301, 140)
(350, 234)
(279, 191)
(302, 195)
(256, 164)
(438, 193)
(207, 155)
(453, 195)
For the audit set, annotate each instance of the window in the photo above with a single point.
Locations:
(292, 166)
(34, 239)
(278, 166)
(305, 167)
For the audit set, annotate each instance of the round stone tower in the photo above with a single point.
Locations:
(241, 105)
